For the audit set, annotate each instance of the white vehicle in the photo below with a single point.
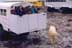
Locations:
(21, 23)
(58, 3)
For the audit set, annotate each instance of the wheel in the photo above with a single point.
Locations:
(1, 32)
(1, 27)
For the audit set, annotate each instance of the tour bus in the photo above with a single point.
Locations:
(19, 18)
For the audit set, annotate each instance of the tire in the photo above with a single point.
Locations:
(1, 32)
(5, 35)
(1, 27)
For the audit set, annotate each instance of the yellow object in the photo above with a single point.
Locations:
(31, 0)
(38, 4)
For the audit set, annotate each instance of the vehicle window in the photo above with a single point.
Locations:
(3, 12)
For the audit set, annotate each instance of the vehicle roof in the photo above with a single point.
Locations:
(7, 4)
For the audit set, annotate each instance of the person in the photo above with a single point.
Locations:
(17, 10)
(21, 10)
(13, 10)
(28, 10)
(33, 9)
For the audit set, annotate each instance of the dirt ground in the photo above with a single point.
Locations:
(63, 23)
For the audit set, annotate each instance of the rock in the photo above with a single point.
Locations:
(69, 20)
(68, 25)
(68, 46)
